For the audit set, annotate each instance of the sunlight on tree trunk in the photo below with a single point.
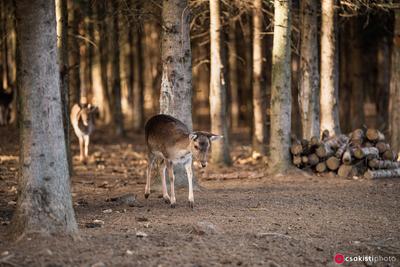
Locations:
(394, 106)
(329, 70)
(281, 97)
(220, 150)
(309, 69)
(259, 90)
(62, 43)
(44, 202)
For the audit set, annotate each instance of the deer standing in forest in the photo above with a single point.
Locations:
(170, 140)
(82, 120)
(5, 106)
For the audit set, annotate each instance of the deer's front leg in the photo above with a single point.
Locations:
(86, 143)
(81, 148)
(189, 173)
(171, 175)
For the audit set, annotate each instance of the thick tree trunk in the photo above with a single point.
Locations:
(329, 70)
(309, 69)
(138, 82)
(233, 76)
(74, 80)
(394, 99)
(259, 94)
(62, 43)
(220, 151)
(103, 101)
(44, 203)
(118, 121)
(344, 80)
(176, 84)
(281, 98)
(355, 67)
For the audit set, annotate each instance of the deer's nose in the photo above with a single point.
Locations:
(203, 164)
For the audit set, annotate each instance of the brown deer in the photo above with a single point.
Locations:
(170, 140)
(82, 120)
(5, 106)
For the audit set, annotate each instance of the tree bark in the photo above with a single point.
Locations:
(281, 89)
(220, 151)
(103, 101)
(383, 83)
(344, 79)
(74, 80)
(118, 121)
(233, 76)
(62, 43)
(329, 70)
(309, 74)
(44, 202)
(138, 82)
(394, 99)
(355, 68)
(176, 85)
(259, 94)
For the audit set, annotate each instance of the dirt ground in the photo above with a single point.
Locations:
(241, 217)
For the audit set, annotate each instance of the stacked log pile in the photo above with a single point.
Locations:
(363, 152)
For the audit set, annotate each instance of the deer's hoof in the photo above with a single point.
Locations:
(146, 195)
(191, 204)
(167, 200)
(173, 205)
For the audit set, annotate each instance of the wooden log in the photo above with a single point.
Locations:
(347, 158)
(345, 170)
(391, 173)
(305, 145)
(304, 160)
(357, 137)
(382, 147)
(296, 149)
(368, 144)
(313, 159)
(339, 153)
(321, 167)
(297, 161)
(325, 135)
(374, 135)
(362, 152)
(324, 151)
(333, 163)
(314, 141)
(337, 141)
(383, 164)
(389, 155)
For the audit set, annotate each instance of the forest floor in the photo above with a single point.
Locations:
(241, 217)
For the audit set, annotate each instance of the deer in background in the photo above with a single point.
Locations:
(170, 140)
(5, 106)
(82, 120)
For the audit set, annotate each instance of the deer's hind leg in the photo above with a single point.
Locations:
(150, 164)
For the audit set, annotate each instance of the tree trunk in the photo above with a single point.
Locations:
(259, 94)
(344, 92)
(74, 54)
(118, 121)
(103, 103)
(62, 43)
(309, 74)
(281, 102)
(394, 99)
(355, 68)
(220, 151)
(138, 81)
(233, 76)
(176, 84)
(44, 202)
(329, 70)
(383, 81)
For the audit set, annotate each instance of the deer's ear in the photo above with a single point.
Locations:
(214, 137)
(192, 136)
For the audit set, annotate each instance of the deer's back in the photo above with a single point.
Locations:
(165, 133)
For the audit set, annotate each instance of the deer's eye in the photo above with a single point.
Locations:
(196, 147)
